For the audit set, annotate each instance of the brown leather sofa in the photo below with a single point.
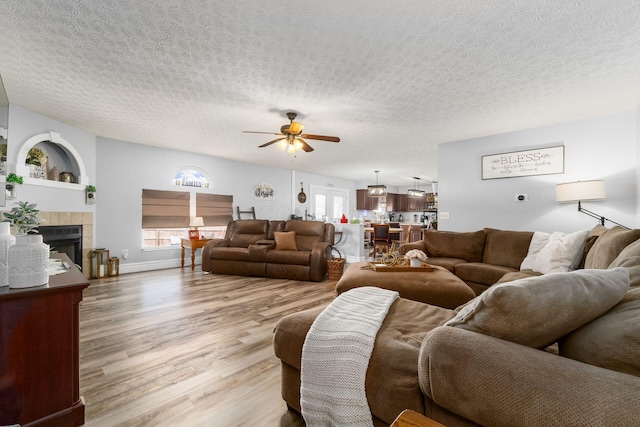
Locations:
(249, 249)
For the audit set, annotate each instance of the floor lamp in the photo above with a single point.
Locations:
(583, 191)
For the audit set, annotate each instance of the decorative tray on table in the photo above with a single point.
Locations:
(375, 266)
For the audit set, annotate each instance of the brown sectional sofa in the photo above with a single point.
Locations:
(249, 249)
(480, 258)
(461, 377)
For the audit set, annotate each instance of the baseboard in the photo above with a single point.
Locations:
(136, 267)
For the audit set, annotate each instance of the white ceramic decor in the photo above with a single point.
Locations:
(28, 262)
(6, 241)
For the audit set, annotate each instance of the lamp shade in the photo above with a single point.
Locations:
(580, 191)
(196, 221)
(417, 193)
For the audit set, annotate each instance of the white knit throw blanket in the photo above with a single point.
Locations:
(335, 357)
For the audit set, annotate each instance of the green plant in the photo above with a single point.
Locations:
(91, 188)
(24, 217)
(35, 157)
(12, 177)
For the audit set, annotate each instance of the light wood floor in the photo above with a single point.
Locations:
(182, 348)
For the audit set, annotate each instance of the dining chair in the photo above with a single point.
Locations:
(380, 238)
(395, 244)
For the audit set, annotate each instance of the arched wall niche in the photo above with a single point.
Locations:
(22, 169)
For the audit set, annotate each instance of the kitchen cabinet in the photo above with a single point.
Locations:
(416, 204)
(364, 202)
(392, 202)
(401, 203)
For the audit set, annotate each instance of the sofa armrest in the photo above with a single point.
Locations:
(206, 251)
(258, 252)
(320, 253)
(406, 247)
(495, 382)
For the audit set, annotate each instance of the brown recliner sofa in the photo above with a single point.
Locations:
(249, 249)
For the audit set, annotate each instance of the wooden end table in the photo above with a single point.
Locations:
(194, 245)
(409, 418)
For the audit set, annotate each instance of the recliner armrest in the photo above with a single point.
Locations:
(266, 242)
(206, 251)
(320, 252)
(496, 382)
(258, 252)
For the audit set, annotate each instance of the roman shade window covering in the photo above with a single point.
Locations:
(165, 209)
(215, 209)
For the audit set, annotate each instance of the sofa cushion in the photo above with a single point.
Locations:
(448, 263)
(451, 244)
(609, 245)
(478, 272)
(285, 240)
(556, 252)
(537, 311)
(230, 254)
(248, 232)
(308, 233)
(507, 248)
(629, 258)
(392, 377)
(611, 341)
(276, 256)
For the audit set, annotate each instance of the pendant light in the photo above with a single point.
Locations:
(416, 192)
(377, 190)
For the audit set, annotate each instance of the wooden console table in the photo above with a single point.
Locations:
(194, 244)
(39, 352)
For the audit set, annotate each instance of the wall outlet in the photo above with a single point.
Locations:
(444, 215)
(522, 197)
(125, 253)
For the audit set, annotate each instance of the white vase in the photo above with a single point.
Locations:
(28, 262)
(6, 241)
(415, 262)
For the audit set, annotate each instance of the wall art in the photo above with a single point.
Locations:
(541, 161)
(264, 192)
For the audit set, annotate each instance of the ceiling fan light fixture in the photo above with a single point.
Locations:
(283, 144)
(377, 190)
(296, 128)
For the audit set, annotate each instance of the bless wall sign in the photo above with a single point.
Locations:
(543, 161)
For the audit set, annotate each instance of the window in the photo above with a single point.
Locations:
(166, 215)
(328, 203)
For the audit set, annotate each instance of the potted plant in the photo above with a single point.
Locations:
(12, 181)
(91, 194)
(416, 257)
(29, 257)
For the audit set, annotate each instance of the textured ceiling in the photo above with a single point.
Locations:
(392, 79)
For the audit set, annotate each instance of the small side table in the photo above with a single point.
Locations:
(194, 245)
(409, 418)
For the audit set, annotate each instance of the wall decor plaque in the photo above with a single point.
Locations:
(264, 192)
(541, 161)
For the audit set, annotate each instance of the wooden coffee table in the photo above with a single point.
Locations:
(194, 245)
(438, 287)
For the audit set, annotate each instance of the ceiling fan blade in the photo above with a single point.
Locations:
(265, 133)
(270, 142)
(321, 137)
(306, 147)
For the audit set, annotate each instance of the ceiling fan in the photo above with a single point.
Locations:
(291, 136)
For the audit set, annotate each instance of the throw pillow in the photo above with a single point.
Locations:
(611, 341)
(285, 240)
(609, 245)
(629, 258)
(537, 311)
(555, 253)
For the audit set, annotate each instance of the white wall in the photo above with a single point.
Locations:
(596, 148)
